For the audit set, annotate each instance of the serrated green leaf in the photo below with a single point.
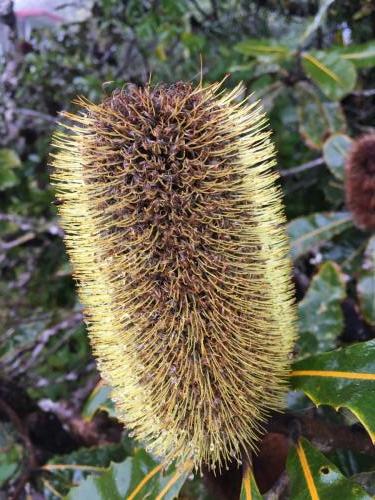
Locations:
(313, 476)
(308, 233)
(249, 489)
(335, 150)
(342, 378)
(334, 75)
(255, 48)
(320, 316)
(366, 284)
(120, 481)
(69, 468)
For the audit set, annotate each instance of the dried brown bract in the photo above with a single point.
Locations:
(360, 181)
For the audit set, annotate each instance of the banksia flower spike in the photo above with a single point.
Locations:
(174, 225)
(360, 181)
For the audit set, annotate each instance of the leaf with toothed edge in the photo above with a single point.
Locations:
(321, 318)
(313, 476)
(138, 477)
(341, 378)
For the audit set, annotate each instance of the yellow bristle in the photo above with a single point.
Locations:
(175, 228)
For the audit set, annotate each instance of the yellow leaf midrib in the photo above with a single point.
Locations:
(307, 472)
(322, 67)
(333, 374)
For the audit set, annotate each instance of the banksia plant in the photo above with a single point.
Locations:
(360, 181)
(174, 226)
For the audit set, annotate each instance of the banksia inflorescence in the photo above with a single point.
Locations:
(360, 181)
(175, 229)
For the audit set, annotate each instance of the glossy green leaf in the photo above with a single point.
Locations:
(334, 75)
(342, 378)
(313, 476)
(9, 160)
(308, 233)
(255, 48)
(249, 489)
(320, 316)
(366, 284)
(317, 119)
(99, 399)
(361, 55)
(120, 481)
(335, 150)
(64, 471)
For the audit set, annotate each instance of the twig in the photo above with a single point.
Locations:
(302, 168)
(364, 93)
(7, 245)
(34, 351)
(279, 488)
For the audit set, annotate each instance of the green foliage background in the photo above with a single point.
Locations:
(313, 65)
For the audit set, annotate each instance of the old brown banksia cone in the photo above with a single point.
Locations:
(174, 225)
(360, 181)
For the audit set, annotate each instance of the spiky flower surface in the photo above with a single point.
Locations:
(360, 181)
(174, 226)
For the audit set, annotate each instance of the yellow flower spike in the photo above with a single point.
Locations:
(174, 226)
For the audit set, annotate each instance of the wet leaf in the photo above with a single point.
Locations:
(313, 476)
(121, 480)
(320, 316)
(342, 378)
(335, 150)
(366, 283)
(334, 75)
(310, 232)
